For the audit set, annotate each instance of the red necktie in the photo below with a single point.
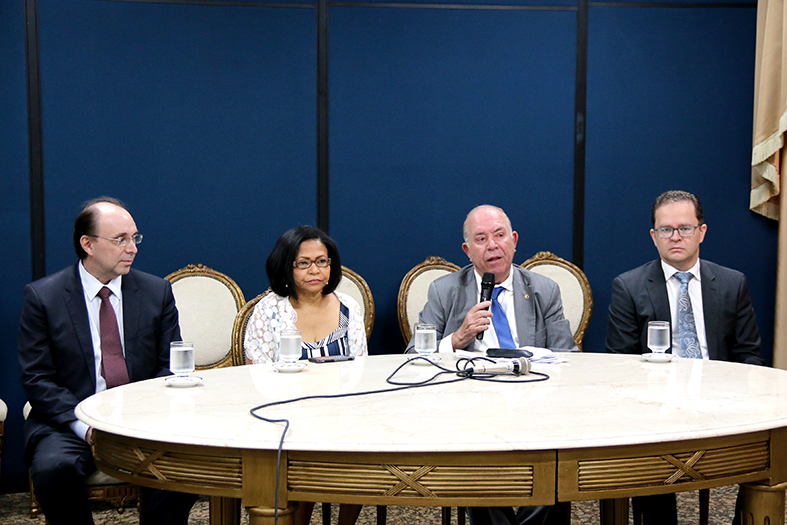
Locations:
(113, 365)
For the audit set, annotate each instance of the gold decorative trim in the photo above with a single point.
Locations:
(240, 324)
(431, 263)
(410, 481)
(368, 300)
(673, 469)
(170, 464)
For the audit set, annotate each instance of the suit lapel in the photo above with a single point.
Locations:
(75, 303)
(130, 319)
(657, 291)
(524, 308)
(710, 308)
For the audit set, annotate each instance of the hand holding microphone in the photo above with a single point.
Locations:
(487, 286)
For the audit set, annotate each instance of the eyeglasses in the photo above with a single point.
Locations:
(122, 241)
(305, 264)
(683, 231)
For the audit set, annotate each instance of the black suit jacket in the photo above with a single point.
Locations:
(56, 350)
(640, 296)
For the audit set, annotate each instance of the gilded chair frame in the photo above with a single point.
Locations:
(241, 322)
(231, 358)
(549, 258)
(431, 263)
(366, 293)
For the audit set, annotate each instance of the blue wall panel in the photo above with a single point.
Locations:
(670, 107)
(434, 112)
(14, 230)
(200, 118)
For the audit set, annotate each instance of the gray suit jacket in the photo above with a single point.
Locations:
(640, 296)
(537, 306)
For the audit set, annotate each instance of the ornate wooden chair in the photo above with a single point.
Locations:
(411, 300)
(207, 302)
(413, 291)
(574, 289)
(355, 286)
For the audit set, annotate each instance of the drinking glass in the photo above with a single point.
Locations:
(425, 339)
(290, 346)
(181, 358)
(658, 336)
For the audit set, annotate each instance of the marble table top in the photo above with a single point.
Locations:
(591, 400)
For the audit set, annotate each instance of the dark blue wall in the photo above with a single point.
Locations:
(14, 227)
(203, 119)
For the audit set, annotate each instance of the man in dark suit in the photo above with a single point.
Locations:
(66, 320)
(532, 315)
(707, 305)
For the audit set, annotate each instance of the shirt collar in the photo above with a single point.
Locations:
(507, 284)
(92, 286)
(670, 270)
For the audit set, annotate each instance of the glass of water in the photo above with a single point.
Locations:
(290, 346)
(658, 336)
(425, 339)
(181, 358)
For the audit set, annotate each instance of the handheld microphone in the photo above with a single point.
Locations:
(487, 285)
(518, 367)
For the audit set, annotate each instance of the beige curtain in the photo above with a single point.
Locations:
(768, 152)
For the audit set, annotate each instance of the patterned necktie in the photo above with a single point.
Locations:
(687, 330)
(499, 319)
(113, 365)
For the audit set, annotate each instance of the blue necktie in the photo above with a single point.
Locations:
(687, 330)
(499, 319)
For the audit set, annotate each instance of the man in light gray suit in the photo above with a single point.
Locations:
(530, 301)
(532, 315)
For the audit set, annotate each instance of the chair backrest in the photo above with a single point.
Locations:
(574, 289)
(355, 286)
(207, 302)
(413, 291)
(241, 323)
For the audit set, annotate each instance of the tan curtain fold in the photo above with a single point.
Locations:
(768, 152)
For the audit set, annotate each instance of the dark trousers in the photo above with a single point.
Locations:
(60, 462)
(660, 509)
(558, 514)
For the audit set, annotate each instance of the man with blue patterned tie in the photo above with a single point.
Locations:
(707, 305)
(525, 310)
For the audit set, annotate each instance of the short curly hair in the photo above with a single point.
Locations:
(279, 265)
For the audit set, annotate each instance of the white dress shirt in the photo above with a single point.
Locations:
(90, 287)
(695, 295)
(506, 300)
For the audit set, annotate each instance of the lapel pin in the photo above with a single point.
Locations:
(527, 296)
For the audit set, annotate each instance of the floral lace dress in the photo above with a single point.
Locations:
(275, 313)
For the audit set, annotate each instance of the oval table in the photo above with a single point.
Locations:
(601, 427)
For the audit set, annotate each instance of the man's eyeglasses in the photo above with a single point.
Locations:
(122, 241)
(305, 264)
(683, 231)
